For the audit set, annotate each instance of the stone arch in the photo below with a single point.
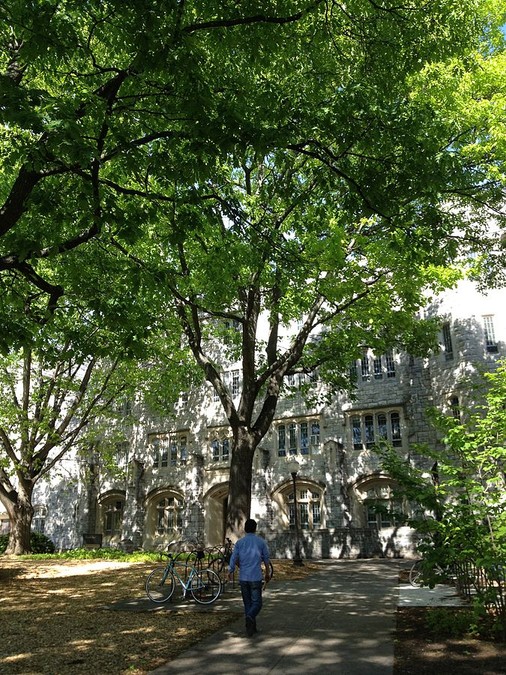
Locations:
(110, 509)
(370, 493)
(282, 498)
(164, 517)
(215, 509)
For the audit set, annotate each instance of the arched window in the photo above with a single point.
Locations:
(381, 508)
(168, 450)
(39, 519)
(378, 507)
(382, 365)
(220, 449)
(455, 407)
(298, 436)
(220, 443)
(165, 517)
(447, 341)
(489, 332)
(169, 515)
(309, 506)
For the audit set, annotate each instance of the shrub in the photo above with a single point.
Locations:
(459, 507)
(449, 622)
(39, 543)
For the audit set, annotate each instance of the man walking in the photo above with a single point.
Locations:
(249, 553)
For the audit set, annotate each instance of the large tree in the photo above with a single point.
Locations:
(105, 107)
(307, 162)
(64, 396)
(279, 281)
(338, 238)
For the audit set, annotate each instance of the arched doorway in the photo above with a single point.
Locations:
(111, 505)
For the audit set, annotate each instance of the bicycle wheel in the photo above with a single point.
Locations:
(214, 556)
(160, 585)
(218, 565)
(205, 586)
(415, 574)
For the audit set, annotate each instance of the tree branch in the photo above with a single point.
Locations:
(248, 20)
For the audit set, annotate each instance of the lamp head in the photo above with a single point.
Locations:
(293, 466)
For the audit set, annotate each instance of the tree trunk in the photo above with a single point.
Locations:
(241, 472)
(20, 513)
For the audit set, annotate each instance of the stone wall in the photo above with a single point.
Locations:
(346, 542)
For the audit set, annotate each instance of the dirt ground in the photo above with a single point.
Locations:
(428, 641)
(56, 617)
(419, 651)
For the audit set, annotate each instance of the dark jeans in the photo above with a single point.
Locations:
(252, 597)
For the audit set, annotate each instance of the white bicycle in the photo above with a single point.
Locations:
(418, 572)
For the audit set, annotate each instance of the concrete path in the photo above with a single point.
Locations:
(341, 620)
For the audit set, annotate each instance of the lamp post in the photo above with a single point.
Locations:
(293, 467)
(91, 464)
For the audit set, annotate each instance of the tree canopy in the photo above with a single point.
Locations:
(110, 110)
(105, 105)
(211, 162)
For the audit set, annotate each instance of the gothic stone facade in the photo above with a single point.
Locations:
(174, 478)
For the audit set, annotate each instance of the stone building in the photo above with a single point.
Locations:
(172, 481)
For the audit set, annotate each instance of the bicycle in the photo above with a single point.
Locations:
(203, 585)
(218, 558)
(420, 573)
(212, 557)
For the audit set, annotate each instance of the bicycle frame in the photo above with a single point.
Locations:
(185, 587)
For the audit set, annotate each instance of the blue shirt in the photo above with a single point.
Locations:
(249, 553)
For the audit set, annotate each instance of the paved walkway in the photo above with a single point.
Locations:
(339, 621)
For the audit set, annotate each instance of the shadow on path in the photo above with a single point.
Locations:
(340, 620)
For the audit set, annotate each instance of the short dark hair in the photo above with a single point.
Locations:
(250, 525)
